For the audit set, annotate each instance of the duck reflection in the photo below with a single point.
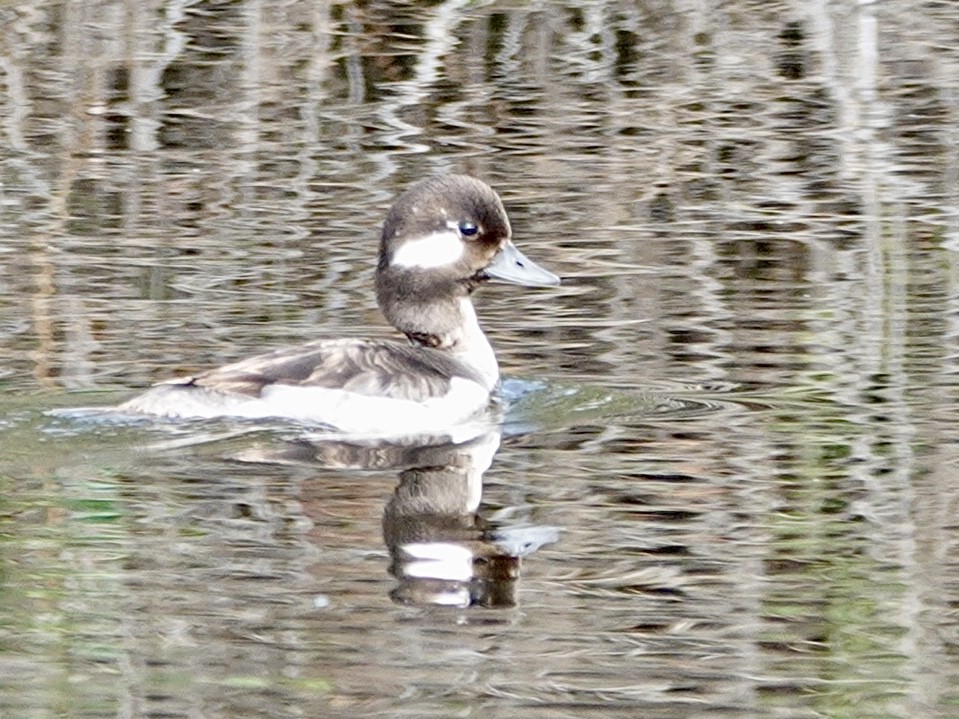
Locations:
(443, 550)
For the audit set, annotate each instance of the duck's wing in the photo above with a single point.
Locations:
(384, 369)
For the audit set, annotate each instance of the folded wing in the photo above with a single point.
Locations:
(384, 369)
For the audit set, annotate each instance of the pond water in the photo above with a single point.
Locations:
(727, 481)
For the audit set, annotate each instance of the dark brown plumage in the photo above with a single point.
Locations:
(370, 367)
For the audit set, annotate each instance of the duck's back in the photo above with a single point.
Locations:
(351, 385)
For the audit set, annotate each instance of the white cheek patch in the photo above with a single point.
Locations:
(439, 249)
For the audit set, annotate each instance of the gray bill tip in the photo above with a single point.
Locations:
(511, 265)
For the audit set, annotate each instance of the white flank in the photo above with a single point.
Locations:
(439, 249)
(460, 414)
(359, 414)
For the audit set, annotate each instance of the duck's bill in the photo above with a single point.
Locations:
(511, 265)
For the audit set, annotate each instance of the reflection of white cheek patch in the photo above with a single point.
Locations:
(437, 250)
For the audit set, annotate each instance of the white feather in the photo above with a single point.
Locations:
(439, 249)
(348, 412)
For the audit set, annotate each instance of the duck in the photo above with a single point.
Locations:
(443, 238)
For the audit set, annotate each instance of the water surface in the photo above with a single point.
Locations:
(725, 480)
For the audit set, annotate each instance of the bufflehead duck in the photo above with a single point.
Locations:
(442, 239)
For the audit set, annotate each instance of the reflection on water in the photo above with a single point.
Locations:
(442, 551)
(739, 411)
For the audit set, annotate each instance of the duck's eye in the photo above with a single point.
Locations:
(468, 229)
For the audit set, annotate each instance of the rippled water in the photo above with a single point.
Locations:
(725, 483)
